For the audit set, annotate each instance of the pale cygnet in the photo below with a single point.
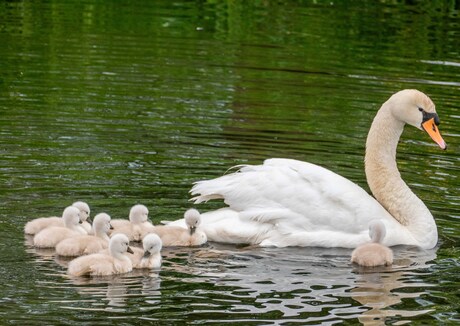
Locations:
(84, 215)
(104, 264)
(179, 236)
(150, 257)
(87, 244)
(51, 236)
(38, 224)
(137, 226)
(374, 253)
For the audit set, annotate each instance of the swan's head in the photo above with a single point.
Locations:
(71, 216)
(101, 223)
(84, 210)
(138, 214)
(377, 231)
(192, 219)
(152, 244)
(416, 109)
(119, 244)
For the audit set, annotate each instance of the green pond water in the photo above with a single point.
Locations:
(126, 102)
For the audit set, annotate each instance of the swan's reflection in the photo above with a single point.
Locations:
(296, 281)
(377, 289)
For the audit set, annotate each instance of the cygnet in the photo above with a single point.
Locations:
(51, 236)
(137, 226)
(87, 244)
(38, 224)
(104, 264)
(179, 236)
(374, 253)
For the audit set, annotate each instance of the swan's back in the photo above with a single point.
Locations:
(287, 202)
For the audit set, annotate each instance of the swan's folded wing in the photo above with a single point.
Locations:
(288, 190)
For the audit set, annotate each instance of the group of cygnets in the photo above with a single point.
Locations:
(103, 247)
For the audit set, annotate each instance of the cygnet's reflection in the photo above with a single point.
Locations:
(377, 288)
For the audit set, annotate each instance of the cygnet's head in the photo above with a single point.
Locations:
(119, 244)
(71, 216)
(377, 231)
(192, 219)
(138, 214)
(102, 224)
(152, 244)
(84, 210)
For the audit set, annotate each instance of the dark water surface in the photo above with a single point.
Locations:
(118, 103)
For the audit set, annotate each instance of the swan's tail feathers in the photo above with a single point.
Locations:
(204, 199)
(206, 190)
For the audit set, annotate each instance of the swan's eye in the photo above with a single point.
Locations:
(421, 109)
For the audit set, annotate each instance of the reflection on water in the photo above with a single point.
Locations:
(117, 103)
(310, 284)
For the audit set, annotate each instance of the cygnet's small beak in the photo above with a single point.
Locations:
(430, 127)
(146, 254)
(110, 226)
(89, 220)
(80, 221)
(130, 250)
(192, 230)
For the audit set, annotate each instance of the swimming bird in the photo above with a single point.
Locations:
(180, 236)
(51, 236)
(38, 224)
(150, 257)
(104, 264)
(87, 244)
(374, 253)
(137, 226)
(286, 202)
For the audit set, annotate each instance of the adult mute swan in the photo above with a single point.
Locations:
(374, 253)
(287, 202)
(38, 224)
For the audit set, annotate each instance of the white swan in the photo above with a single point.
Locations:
(150, 257)
(137, 226)
(292, 203)
(38, 224)
(102, 264)
(374, 253)
(51, 236)
(190, 236)
(87, 244)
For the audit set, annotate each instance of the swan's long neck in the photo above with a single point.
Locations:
(385, 180)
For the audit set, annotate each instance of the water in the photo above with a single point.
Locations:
(131, 102)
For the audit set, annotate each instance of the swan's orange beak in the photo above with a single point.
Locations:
(432, 130)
